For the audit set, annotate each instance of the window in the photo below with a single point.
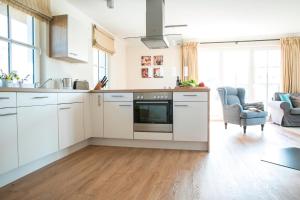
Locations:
(17, 50)
(255, 68)
(100, 64)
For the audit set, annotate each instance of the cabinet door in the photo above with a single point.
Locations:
(191, 121)
(118, 120)
(87, 120)
(97, 115)
(78, 39)
(37, 132)
(71, 129)
(8, 140)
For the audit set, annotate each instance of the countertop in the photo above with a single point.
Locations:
(46, 90)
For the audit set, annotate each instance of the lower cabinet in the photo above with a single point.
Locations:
(118, 120)
(37, 132)
(190, 121)
(71, 128)
(97, 115)
(8, 140)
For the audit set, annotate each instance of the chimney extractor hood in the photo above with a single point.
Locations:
(155, 42)
(155, 22)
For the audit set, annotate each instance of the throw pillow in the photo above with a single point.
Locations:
(286, 98)
(295, 101)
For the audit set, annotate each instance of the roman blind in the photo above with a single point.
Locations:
(36, 8)
(103, 40)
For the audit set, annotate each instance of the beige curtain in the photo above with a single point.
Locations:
(290, 50)
(103, 40)
(37, 8)
(190, 60)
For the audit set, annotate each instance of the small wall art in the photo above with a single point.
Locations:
(158, 60)
(145, 73)
(146, 60)
(157, 73)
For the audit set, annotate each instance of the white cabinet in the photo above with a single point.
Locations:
(87, 120)
(37, 132)
(190, 121)
(70, 39)
(70, 119)
(118, 120)
(97, 115)
(8, 140)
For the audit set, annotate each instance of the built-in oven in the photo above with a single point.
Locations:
(153, 112)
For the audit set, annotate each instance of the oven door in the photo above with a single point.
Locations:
(153, 116)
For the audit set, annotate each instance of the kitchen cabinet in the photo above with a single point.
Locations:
(190, 121)
(8, 140)
(69, 39)
(97, 115)
(118, 120)
(71, 128)
(37, 132)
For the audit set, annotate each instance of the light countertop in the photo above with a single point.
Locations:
(46, 90)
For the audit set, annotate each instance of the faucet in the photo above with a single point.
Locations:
(37, 84)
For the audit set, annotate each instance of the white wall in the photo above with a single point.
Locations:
(171, 67)
(53, 68)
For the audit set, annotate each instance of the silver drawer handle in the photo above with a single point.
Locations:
(99, 100)
(67, 108)
(74, 54)
(190, 95)
(181, 105)
(117, 96)
(4, 98)
(125, 105)
(7, 114)
(151, 102)
(45, 97)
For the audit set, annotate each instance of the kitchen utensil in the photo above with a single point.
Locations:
(67, 83)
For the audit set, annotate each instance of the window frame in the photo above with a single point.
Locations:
(98, 65)
(11, 41)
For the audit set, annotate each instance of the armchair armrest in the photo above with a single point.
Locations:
(285, 106)
(232, 113)
(234, 108)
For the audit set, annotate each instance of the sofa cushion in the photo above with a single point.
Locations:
(295, 101)
(286, 98)
(295, 111)
(246, 114)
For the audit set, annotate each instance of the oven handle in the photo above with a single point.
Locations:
(152, 102)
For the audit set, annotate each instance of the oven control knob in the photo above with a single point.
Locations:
(154, 97)
(158, 97)
(138, 97)
(142, 97)
(166, 97)
(161, 97)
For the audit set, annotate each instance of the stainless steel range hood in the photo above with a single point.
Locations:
(155, 23)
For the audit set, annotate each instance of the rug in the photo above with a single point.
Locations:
(286, 157)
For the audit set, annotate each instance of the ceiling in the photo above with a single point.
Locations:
(208, 20)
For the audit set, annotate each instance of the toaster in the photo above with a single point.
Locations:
(81, 85)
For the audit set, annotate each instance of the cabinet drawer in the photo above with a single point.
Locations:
(190, 96)
(8, 99)
(118, 97)
(70, 98)
(36, 99)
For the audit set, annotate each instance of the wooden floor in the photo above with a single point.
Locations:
(232, 170)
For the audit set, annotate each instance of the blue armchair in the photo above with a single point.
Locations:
(235, 109)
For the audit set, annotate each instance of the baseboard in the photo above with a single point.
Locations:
(38, 164)
(199, 146)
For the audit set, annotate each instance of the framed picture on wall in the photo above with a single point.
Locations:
(158, 60)
(157, 72)
(145, 73)
(146, 60)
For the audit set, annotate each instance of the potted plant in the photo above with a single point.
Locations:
(7, 80)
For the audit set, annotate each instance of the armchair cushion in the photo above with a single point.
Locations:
(295, 101)
(295, 111)
(246, 114)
